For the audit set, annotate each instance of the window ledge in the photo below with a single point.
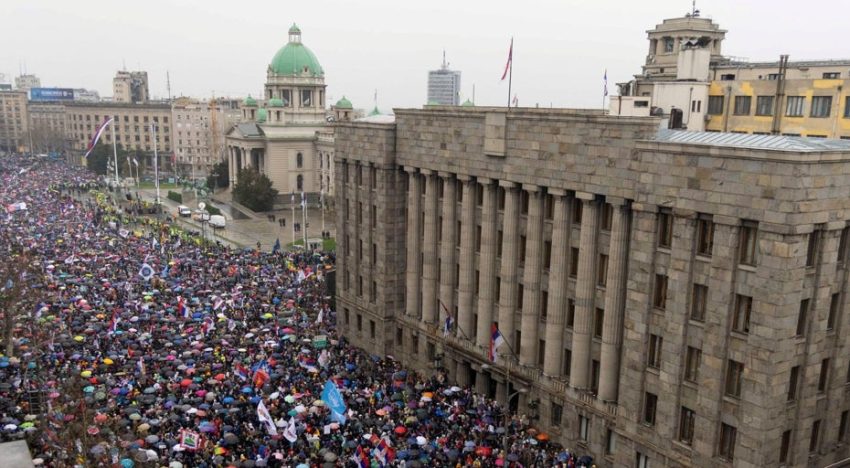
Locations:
(704, 257)
(747, 267)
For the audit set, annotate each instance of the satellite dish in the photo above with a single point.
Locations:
(202, 205)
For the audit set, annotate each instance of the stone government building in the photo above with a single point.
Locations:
(674, 299)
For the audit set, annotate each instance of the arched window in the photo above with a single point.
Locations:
(299, 183)
(299, 161)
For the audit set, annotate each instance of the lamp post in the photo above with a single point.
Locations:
(510, 395)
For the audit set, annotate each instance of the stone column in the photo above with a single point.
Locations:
(615, 297)
(510, 263)
(487, 263)
(558, 273)
(466, 282)
(531, 276)
(414, 242)
(585, 291)
(448, 247)
(429, 267)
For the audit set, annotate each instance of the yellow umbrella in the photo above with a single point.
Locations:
(86, 374)
(79, 338)
(108, 361)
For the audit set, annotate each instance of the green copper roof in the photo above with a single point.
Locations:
(375, 111)
(344, 104)
(432, 103)
(249, 102)
(262, 115)
(275, 102)
(467, 103)
(295, 59)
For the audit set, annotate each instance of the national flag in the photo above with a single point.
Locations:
(141, 365)
(266, 418)
(360, 458)
(241, 371)
(510, 60)
(449, 322)
(218, 303)
(98, 132)
(181, 308)
(290, 433)
(384, 453)
(135, 161)
(276, 247)
(605, 83)
(496, 340)
(515, 101)
(146, 272)
(320, 316)
(292, 199)
(261, 373)
(303, 200)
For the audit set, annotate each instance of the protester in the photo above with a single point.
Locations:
(141, 345)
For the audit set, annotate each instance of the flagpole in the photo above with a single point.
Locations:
(510, 72)
(292, 202)
(304, 218)
(115, 153)
(155, 163)
(322, 201)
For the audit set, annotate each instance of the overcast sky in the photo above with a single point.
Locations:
(561, 49)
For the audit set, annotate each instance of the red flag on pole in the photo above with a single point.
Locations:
(510, 59)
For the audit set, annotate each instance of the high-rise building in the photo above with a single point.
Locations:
(444, 85)
(130, 87)
(199, 132)
(14, 121)
(666, 298)
(26, 81)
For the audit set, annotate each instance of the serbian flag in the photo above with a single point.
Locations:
(496, 340)
(181, 307)
(360, 458)
(384, 453)
(510, 59)
(241, 372)
(98, 132)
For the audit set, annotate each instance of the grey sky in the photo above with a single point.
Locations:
(561, 47)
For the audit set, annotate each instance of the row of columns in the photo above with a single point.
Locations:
(423, 236)
(242, 158)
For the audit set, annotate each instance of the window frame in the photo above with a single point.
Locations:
(687, 420)
(764, 105)
(742, 102)
(705, 235)
(726, 442)
(732, 385)
(650, 408)
(742, 313)
(821, 107)
(795, 106)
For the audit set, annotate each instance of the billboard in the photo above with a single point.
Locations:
(51, 94)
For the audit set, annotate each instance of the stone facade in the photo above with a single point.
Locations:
(14, 121)
(659, 298)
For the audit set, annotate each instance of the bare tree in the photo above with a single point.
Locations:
(15, 299)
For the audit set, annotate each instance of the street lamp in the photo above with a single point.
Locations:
(510, 396)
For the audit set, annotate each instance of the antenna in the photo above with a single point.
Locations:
(473, 93)
(445, 65)
(168, 84)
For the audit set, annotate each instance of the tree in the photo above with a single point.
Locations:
(254, 190)
(101, 158)
(15, 296)
(219, 176)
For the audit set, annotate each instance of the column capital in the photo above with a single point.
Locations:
(556, 192)
(531, 187)
(464, 177)
(586, 196)
(507, 184)
(615, 201)
(411, 169)
(684, 213)
(445, 175)
(426, 172)
(648, 207)
(485, 180)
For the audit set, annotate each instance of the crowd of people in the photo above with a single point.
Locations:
(134, 343)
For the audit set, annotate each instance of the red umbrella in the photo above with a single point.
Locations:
(400, 430)
(219, 377)
(185, 382)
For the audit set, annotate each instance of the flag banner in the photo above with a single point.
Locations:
(96, 136)
(510, 60)
(266, 418)
(496, 340)
(135, 161)
(190, 440)
(334, 400)
(605, 83)
(20, 206)
(146, 272)
(123, 233)
(290, 433)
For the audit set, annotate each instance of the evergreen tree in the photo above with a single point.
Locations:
(254, 190)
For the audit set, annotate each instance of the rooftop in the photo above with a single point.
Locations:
(744, 140)
(738, 63)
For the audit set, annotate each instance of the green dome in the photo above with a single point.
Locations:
(275, 102)
(467, 103)
(344, 104)
(375, 111)
(262, 114)
(249, 102)
(295, 59)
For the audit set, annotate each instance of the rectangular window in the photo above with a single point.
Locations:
(821, 106)
(399, 337)
(793, 383)
(743, 308)
(686, 425)
(692, 362)
(764, 105)
(522, 243)
(705, 235)
(578, 209)
(698, 302)
(842, 245)
(834, 305)
(654, 354)
(669, 43)
(372, 329)
(306, 97)
(523, 202)
(641, 460)
(659, 297)
(583, 428)
(594, 377)
(573, 262)
(847, 107)
(557, 413)
(610, 441)
(665, 229)
(607, 216)
(478, 239)
(499, 236)
(520, 293)
(347, 317)
(544, 305)
(571, 313)
(650, 403)
(831, 75)
(801, 317)
(823, 379)
(815, 438)
(547, 255)
(842, 426)
(541, 352)
(734, 375)
(500, 194)
(813, 246)
(598, 322)
(359, 322)
(602, 271)
(726, 450)
(786, 445)
(568, 359)
(742, 105)
(747, 252)
(794, 106)
(715, 105)
(549, 206)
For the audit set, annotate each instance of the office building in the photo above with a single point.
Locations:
(14, 121)
(199, 128)
(130, 87)
(24, 82)
(667, 298)
(47, 119)
(444, 85)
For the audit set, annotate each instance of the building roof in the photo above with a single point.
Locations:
(295, 59)
(275, 102)
(249, 101)
(377, 118)
(732, 63)
(249, 129)
(745, 140)
(262, 115)
(344, 104)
